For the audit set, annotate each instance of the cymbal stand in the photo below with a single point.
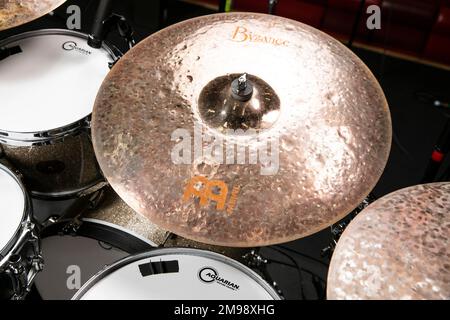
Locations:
(105, 22)
(256, 261)
(272, 6)
(225, 5)
(359, 14)
(339, 228)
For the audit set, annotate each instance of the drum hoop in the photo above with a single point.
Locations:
(26, 215)
(101, 231)
(175, 251)
(70, 194)
(48, 137)
(121, 229)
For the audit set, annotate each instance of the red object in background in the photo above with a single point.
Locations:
(438, 45)
(252, 6)
(437, 156)
(307, 11)
(310, 12)
(341, 15)
(419, 28)
(406, 25)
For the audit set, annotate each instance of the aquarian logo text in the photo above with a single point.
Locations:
(210, 275)
(72, 45)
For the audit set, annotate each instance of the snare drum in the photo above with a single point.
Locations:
(48, 84)
(20, 256)
(177, 274)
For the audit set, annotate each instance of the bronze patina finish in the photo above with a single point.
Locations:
(14, 13)
(219, 111)
(316, 99)
(397, 248)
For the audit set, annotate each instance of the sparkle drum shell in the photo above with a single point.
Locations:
(48, 86)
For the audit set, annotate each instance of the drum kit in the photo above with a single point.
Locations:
(94, 126)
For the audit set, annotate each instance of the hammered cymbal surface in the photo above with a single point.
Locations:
(14, 13)
(397, 248)
(312, 96)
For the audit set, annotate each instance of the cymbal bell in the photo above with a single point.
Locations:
(310, 116)
(14, 13)
(397, 248)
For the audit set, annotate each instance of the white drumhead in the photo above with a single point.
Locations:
(51, 84)
(201, 276)
(12, 207)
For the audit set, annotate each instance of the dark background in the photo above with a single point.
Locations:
(410, 89)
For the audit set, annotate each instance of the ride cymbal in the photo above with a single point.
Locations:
(397, 248)
(14, 13)
(241, 129)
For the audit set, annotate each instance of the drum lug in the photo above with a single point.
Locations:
(86, 125)
(255, 260)
(37, 263)
(18, 273)
(28, 226)
(15, 265)
(72, 227)
(112, 64)
(50, 221)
